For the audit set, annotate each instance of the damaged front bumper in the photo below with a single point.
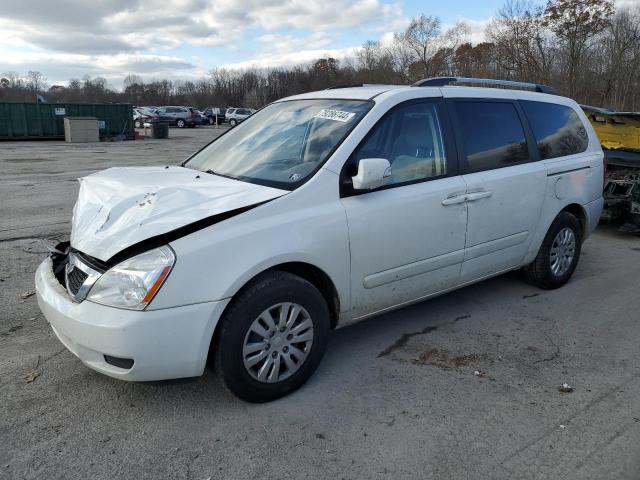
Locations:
(126, 344)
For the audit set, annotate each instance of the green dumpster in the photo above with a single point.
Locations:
(46, 120)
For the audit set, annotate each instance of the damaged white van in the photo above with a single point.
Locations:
(317, 211)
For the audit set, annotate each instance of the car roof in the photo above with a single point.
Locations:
(368, 92)
(365, 92)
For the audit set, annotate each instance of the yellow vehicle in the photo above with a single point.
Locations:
(619, 134)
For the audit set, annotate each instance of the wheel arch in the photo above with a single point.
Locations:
(313, 274)
(573, 208)
(579, 212)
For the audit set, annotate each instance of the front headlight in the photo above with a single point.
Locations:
(133, 283)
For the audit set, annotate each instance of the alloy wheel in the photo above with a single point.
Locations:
(562, 252)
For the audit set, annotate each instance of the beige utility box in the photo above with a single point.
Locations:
(81, 129)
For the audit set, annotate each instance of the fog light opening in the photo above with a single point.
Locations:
(124, 363)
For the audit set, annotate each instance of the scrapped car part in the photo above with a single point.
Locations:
(619, 134)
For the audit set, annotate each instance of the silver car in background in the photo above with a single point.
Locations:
(235, 115)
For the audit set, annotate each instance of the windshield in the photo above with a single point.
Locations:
(282, 144)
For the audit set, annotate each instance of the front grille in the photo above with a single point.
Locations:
(75, 279)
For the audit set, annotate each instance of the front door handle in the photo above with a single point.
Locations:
(478, 195)
(454, 199)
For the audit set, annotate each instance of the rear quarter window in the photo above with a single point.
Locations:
(557, 129)
(492, 134)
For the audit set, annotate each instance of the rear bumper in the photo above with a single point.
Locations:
(593, 211)
(164, 344)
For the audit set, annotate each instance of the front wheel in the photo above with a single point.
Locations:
(272, 337)
(180, 123)
(559, 253)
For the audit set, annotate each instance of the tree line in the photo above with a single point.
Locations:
(586, 49)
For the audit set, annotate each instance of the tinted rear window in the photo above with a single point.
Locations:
(492, 134)
(557, 128)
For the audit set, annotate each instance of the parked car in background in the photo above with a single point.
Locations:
(142, 115)
(179, 116)
(215, 113)
(201, 118)
(235, 115)
(147, 110)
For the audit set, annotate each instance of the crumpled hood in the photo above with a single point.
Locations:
(120, 207)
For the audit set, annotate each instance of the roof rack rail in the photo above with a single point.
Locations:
(346, 85)
(443, 81)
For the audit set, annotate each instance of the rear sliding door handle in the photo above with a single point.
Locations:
(454, 199)
(478, 195)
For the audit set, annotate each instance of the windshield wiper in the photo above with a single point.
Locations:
(218, 174)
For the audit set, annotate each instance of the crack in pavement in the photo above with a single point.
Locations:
(607, 393)
(405, 337)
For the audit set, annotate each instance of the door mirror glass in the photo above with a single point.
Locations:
(372, 173)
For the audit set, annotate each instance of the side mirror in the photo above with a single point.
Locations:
(372, 173)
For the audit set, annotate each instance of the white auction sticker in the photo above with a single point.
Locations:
(338, 115)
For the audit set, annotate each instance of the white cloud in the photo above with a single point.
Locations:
(111, 37)
(78, 26)
(278, 43)
(317, 15)
(291, 58)
(59, 67)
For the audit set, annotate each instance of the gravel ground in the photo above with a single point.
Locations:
(464, 386)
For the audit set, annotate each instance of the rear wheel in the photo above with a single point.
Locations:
(233, 122)
(559, 253)
(272, 337)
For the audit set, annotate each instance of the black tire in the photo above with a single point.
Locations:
(264, 291)
(180, 123)
(539, 272)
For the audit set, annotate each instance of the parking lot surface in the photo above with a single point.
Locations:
(463, 386)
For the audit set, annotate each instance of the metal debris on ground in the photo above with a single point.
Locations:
(563, 427)
(480, 374)
(31, 376)
(565, 388)
(24, 295)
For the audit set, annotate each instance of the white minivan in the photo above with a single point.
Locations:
(318, 211)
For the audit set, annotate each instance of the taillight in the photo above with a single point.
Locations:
(605, 163)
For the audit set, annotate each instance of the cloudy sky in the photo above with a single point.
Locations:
(187, 38)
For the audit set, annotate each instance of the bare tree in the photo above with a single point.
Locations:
(420, 39)
(36, 81)
(522, 44)
(575, 23)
